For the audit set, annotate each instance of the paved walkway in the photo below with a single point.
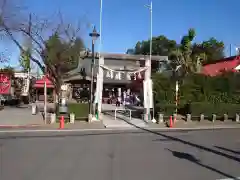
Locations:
(199, 125)
(17, 116)
(121, 121)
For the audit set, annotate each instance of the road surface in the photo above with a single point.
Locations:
(139, 155)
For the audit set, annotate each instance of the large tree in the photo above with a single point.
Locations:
(62, 55)
(161, 45)
(213, 49)
(184, 56)
(190, 55)
(14, 23)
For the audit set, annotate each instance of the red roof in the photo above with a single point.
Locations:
(40, 83)
(228, 64)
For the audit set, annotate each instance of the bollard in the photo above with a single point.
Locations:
(189, 117)
(174, 118)
(61, 124)
(170, 122)
(214, 117)
(225, 117)
(237, 118)
(72, 118)
(160, 118)
(34, 109)
(53, 118)
(201, 117)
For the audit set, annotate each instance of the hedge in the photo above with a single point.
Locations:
(208, 95)
(79, 109)
(198, 108)
(198, 88)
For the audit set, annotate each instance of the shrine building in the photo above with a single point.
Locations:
(80, 77)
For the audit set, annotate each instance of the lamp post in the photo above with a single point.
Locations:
(150, 7)
(45, 95)
(94, 35)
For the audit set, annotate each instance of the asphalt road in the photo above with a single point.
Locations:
(193, 155)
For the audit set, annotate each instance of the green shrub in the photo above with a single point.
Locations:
(198, 88)
(79, 109)
(201, 108)
(166, 109)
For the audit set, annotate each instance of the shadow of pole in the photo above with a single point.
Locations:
(188, 143)
(191, 158)
(229, 150)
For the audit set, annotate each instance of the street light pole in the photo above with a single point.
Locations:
(45, 95)
(94, 36)
(151, 22)
(150, 7)
(92, 76)
(151, 33)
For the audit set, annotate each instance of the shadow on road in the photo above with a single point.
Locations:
(229, 150)
(191, 158)
(166, 137)
(188, 143)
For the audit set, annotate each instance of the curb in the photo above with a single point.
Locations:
(19, 126)
(105, 129)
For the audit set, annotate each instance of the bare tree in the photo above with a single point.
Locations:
(15, 23)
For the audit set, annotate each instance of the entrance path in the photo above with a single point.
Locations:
(122, 121)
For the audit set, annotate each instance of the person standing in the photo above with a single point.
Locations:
(118, 102)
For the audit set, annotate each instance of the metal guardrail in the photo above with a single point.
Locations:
(130, 113)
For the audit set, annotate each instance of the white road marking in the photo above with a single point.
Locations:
(107, 129)
(237, 178)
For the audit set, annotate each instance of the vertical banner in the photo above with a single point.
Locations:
(148, 95)
(100, 82)
(26, 84)
(145, 94)
(148, 70)
(96, 94)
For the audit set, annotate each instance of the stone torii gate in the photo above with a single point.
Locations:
(147, 83)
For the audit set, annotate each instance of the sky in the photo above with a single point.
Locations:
(125, 22)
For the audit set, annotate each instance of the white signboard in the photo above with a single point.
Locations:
(148, 95)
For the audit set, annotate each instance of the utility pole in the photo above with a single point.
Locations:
(94, 35)
(150, 50)
(29, 53)
(45, 95)
(99, 99)
(230, 53)
(150, 7)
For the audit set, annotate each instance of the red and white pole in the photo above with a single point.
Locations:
(176, 96)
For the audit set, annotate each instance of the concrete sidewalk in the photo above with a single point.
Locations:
(19, 116)
(198, 125)
(77, 125)
(98, 125)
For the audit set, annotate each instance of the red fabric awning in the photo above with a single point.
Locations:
(40, 83)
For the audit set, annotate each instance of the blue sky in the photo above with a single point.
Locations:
(127, 21)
